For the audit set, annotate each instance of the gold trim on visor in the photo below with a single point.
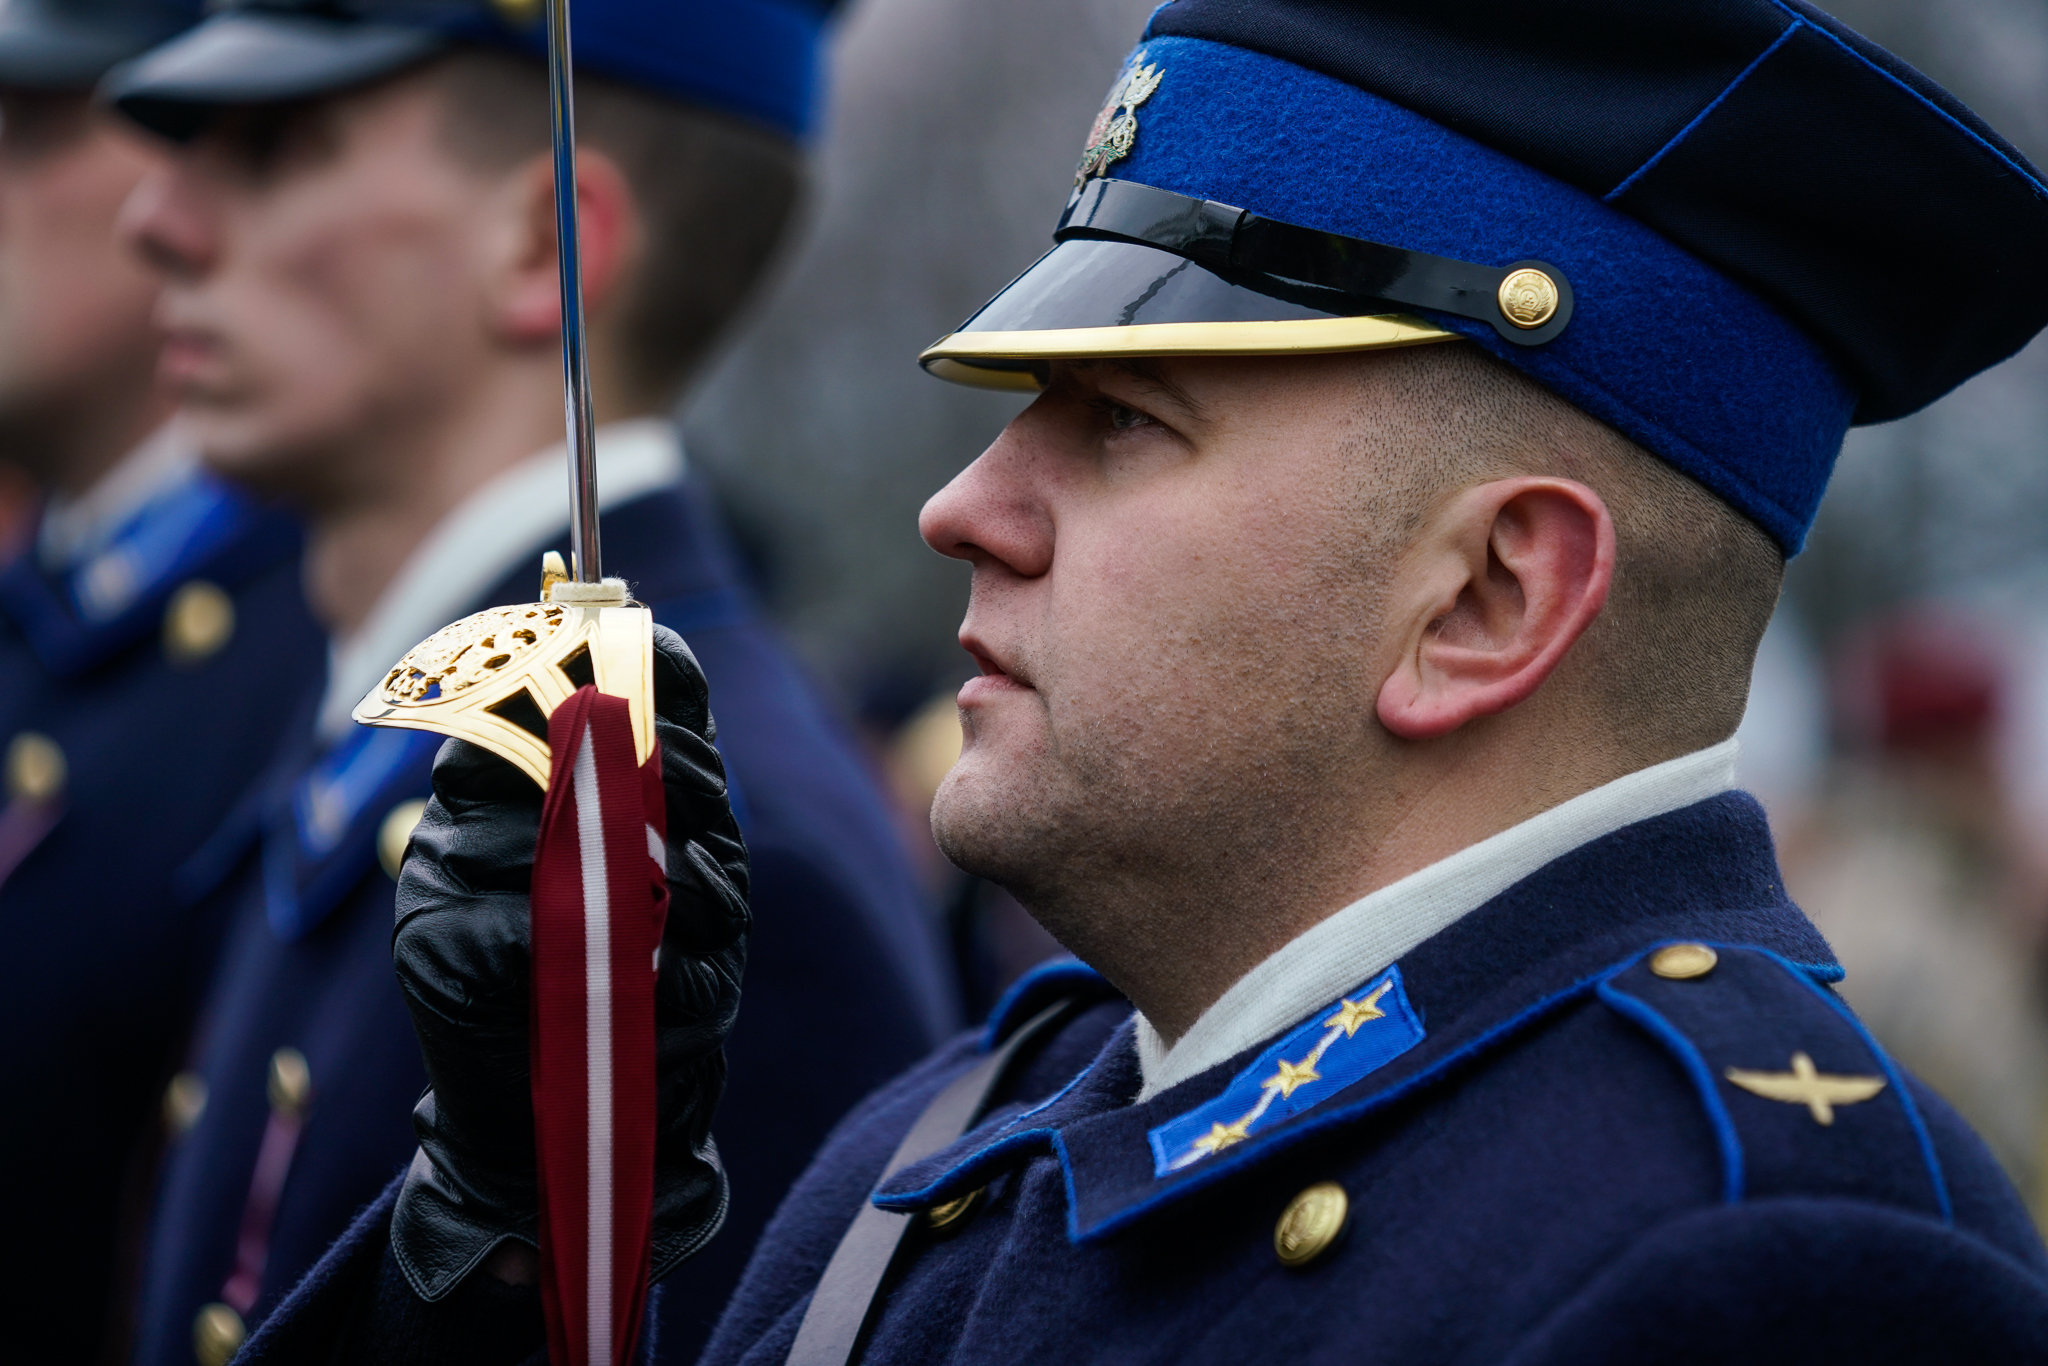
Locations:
(960, 357)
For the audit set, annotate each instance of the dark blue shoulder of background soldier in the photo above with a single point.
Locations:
(142, 689)
(308, 1057)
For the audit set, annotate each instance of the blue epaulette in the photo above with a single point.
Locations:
(1801, 1099)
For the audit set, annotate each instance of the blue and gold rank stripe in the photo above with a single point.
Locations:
(1358, 1033)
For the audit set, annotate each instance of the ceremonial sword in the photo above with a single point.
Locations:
(563, 689)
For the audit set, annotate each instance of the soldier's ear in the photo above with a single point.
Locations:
(522, 287)
(1501, 582)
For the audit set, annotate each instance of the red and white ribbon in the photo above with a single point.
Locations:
(600, 895)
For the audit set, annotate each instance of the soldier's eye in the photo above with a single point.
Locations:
(1123, 419)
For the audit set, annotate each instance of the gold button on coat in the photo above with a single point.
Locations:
(396, 833)
(1680, 961)
(217, 1334)
(36, 771)
(291, 1082)
(198, 620)
(953, 1211)
(1310, 1223)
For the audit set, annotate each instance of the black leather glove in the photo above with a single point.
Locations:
(461, 948)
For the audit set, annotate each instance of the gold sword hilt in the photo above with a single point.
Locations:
(495, 677)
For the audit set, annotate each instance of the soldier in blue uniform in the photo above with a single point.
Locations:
(1430, 395)
(357, 234)
(152, 640)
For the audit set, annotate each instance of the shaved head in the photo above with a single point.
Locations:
(1667, 664)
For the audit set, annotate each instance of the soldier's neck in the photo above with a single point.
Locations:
(1176, 951)
(68, 446)
(357, 544)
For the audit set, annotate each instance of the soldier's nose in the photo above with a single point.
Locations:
(165, 222)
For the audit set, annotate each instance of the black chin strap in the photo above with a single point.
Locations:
(1237, 244)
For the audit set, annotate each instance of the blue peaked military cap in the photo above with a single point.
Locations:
(60, 45)
(1727, 228)
(753, 59)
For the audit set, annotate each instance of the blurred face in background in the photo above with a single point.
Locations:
(75, 303)
(322, 265)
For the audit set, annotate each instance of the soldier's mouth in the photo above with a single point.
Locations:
(190, 357)
(993, 679)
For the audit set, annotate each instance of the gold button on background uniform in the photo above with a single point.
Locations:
(198, 620)
(217, 1334)
(396, 832)
(184, 1103)
(1310, 1223)
(36, 771)
(953, 1211)
(1680, 961)
(291, 1082)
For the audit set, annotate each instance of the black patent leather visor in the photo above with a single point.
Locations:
(1143, 272)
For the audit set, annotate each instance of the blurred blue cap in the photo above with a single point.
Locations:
(753, 59)
(69, 44)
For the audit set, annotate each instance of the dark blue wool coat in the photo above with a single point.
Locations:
(839, 917)
(1558, 1172)
(103, 967)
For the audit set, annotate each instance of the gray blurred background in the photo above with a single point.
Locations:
(1898, 730)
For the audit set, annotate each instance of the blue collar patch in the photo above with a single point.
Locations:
(1359, 1033)
(80, 616)
(327, 839)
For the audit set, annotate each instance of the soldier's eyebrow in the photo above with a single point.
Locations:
(1146, 375)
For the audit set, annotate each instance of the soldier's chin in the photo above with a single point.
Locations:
(239, 450)
(981, 823)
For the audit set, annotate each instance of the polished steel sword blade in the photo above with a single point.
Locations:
(584, 555)
(494, 677)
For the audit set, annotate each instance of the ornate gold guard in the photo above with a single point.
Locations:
(495, 677)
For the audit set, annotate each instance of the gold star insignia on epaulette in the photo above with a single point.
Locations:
(1351, 1014)
(1221, 1136)
(1291, 1075)
(1820, 1092)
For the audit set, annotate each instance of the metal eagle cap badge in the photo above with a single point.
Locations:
(1116, 127)
(495, 677)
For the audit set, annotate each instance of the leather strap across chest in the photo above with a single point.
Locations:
(845, 1296)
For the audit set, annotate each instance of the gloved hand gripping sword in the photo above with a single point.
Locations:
(563, 689)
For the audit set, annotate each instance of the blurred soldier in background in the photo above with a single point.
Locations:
(1910, 868)
(152, 641)
(362, 314)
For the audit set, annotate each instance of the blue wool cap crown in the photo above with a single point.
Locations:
(753, 59)
(1759, 227)
(57, 45)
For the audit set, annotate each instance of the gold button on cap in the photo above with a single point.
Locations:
(396, 833)
(291, 1082)
(1528, 298)
(1310, 1223)
(1680, 961)
(198, 620)
(36, 771)
(184, 1103)
(217, 1334)
(953, 1211)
